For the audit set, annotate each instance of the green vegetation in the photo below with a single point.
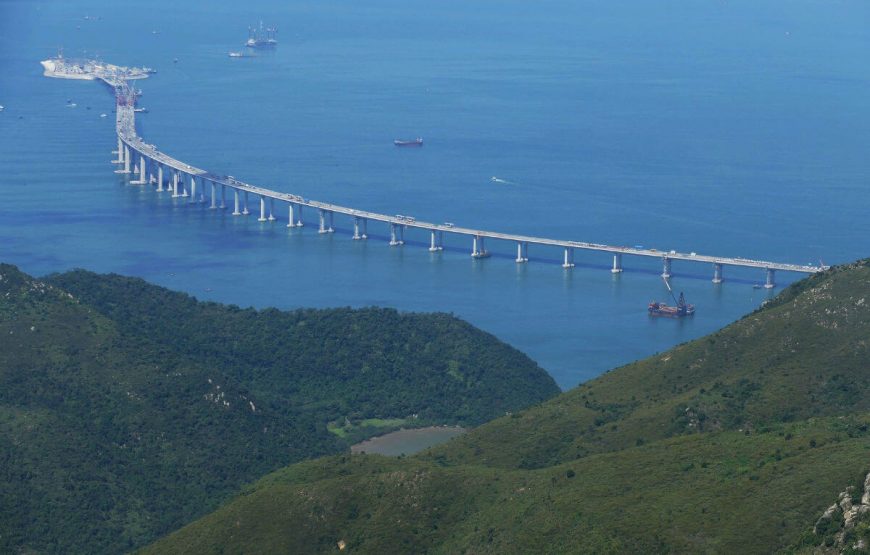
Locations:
(368, 427)
(733, 443)
(127, 410)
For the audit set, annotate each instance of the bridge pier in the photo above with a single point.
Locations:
(192, 189)
(522, 252)
(324, 228)
(139, 169)
(569, 258)
(159, 178)
(717, 273)
(291, 220)
(478, 247)
(223, 197)
(174, 183)
(213, 196)
(666, 267)
(262, 217)
(123, 158)
(119, 152)
(359, 231)
(245, 208)
(271, 209)
(236, 203)
(397, 235)
(769, 282)
(436, 241)
(617, 263)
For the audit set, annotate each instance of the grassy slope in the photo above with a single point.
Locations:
(121, 420)
(774, 396)
(723, 492)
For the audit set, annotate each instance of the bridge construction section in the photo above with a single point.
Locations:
(146, 165)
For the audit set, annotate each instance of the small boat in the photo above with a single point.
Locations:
(414, 142)
(103, 115)
(757, 286)
(140, 110)
(1, 108)
(71, 105)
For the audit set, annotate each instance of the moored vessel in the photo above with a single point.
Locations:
(412, 142)
(682, 309)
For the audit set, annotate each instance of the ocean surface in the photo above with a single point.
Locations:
(733, 128)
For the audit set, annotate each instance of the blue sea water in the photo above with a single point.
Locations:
(736, 128)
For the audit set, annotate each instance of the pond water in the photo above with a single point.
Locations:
(407, 442)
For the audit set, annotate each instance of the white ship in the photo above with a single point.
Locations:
(66, 68)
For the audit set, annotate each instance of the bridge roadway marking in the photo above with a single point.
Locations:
(126, 129)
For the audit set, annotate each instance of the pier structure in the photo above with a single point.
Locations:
(148, 157)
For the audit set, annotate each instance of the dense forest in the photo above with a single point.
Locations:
(127, 410)
(733, 443)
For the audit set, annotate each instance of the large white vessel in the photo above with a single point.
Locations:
(68, 68)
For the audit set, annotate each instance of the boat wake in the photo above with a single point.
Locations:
(495, 179)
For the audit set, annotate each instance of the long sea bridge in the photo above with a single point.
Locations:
(148, 166)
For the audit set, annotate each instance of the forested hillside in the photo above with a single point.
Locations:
(127, 410)
(733, 443)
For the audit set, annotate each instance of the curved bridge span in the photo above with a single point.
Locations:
(148, 166)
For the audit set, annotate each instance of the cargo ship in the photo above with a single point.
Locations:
(682, 309)
(414, 142)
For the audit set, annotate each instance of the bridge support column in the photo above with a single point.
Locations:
(213, 196)
(717, 273)
(436, 241)
(324, 228)
(617, 263)
(174, 184)
(666, 267)
(292, 220)
(245, 208)
(184, 189)
(271, 210)
(236, 201)
(139, 169)
(568, 261)
(769, 282)
(478, 247)
(192, 189)
(119, 152)
(522, 252)
(365, 228)
(223, 197)
(356, 228)
(126, 159)
(395, 229)
(262, 217)
(159, 178)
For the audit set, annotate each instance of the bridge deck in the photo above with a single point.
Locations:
(126, 129)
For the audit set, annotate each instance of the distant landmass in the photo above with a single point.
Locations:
(738, 442)
(128, 410)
